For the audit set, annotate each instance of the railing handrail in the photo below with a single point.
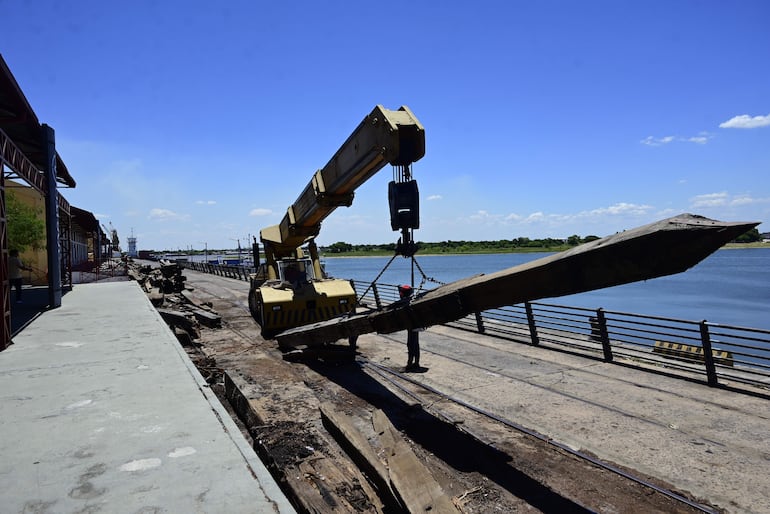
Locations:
(609, 334)
(619, 334)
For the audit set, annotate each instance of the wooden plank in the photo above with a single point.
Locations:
(207, 318)
(386, 432)
(156, 296)
(318, 483)
(360, 450)
(655, 250)
(179, 319)
(410, 478)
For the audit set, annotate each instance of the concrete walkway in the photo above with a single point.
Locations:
(104, 412)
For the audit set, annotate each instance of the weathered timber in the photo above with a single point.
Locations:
(416, 488)
(316, 478)
(363, 454)
(207, 318)
(180, 320)
(183, 336)
(662, 248)
(156, 296)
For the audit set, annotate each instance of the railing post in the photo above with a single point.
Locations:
(708, 354)
(479, 322)
(377, 301)
(604, 334)
(531, 323)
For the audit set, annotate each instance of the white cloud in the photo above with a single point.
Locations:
(260, 212)
(484, 216)
(656, 141)
(700, 139)
(619, 209)
(165, 215)
(206, 202)
(744, 200)
(744, 121)
(723, 199)
(709, 200)
(534, 217)
(434, 197)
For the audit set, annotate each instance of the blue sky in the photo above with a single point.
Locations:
(201, 122)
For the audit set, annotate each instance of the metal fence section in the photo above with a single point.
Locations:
(223, 270)
(720, 355)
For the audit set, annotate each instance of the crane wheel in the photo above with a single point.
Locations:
(255, 307)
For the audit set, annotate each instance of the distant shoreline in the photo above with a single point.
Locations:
(728, 246)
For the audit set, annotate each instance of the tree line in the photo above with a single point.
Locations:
(520, 244)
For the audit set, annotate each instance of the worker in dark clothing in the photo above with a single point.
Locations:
(413, 350)
(412, 337)
(15, 267)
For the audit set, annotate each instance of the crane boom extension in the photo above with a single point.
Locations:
(663, 248)
(383, 137)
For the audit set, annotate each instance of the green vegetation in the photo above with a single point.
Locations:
(755, 244)
(25, 226)
(750, 239)
(520, 245)
(752, 236)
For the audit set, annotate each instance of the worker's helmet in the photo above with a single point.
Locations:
(405, 291)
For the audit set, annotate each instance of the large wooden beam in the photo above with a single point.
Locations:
(663, 248)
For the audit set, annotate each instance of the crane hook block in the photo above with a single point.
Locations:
(404, 200)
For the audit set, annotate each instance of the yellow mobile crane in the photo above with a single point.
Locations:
(291, 288)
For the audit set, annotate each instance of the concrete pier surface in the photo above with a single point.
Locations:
(104, 412)
(711, 443)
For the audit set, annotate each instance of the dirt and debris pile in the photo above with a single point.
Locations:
(158, 281)
(176, 303)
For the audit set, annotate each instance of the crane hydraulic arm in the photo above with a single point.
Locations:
(383, 137)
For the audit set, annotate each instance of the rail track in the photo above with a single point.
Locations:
(533, 469)
(430, 399)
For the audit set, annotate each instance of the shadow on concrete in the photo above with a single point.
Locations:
(34, 301)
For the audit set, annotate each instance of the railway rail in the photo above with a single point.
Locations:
(556, 482)
(429, 397)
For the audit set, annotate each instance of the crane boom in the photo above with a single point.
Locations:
(291, 289)
(383, 137)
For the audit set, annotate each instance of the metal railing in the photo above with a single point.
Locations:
(720, 355)
(223, 270)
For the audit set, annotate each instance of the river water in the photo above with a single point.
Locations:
(730, 287)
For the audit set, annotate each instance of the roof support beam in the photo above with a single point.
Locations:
(16, 160)
(52, 220)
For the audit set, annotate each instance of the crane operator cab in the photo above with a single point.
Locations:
(296, 272)
(298, 296)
